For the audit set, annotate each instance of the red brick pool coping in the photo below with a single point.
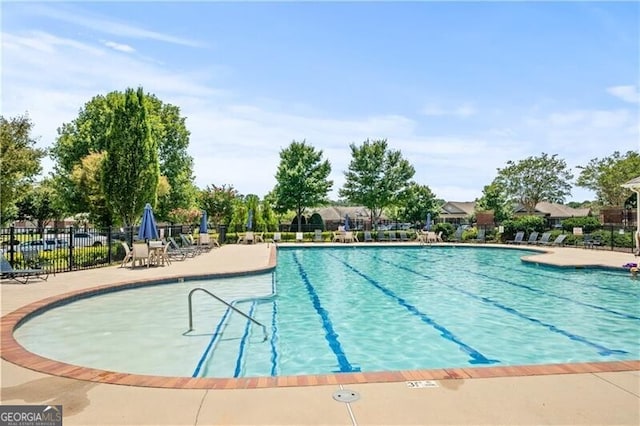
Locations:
(15, 353)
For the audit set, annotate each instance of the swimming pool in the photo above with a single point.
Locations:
(353, 309)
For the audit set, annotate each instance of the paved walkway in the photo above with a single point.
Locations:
(595, 398)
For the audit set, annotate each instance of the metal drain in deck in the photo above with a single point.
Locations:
(346, 395)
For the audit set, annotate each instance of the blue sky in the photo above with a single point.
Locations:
(459, 87)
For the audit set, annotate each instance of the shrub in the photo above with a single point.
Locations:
(588, 224)
(528, 224)
(446, 228)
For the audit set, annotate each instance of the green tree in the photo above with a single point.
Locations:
(604, 177)
(218, 202)
(376, 177)
(417, 202)
(494, 199)
(19, 163)
(302, 179)
(130, 167)
(535, 179)
(40, 204)
(89, 134)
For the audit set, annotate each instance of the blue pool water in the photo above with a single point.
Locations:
(354, 309)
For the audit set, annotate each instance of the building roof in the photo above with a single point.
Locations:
(337, 213)
(633, 184)
(457, 208)
(554, 210)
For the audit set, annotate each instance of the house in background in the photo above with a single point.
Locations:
(553, 213)
(333, 216)
(457, 212)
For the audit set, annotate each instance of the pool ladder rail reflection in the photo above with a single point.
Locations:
(264, 329)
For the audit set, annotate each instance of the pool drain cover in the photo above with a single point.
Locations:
(346, 395)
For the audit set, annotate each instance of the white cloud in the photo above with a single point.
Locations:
(236, 139)
(105, 25)
(463, 111)
(626, 93)
(119, 46)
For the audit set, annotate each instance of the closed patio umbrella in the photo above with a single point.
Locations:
(203, 223)
(427, 225)
(346, 222)
(250, 220)
(148, 227)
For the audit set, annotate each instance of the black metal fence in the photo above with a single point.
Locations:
(71, 249)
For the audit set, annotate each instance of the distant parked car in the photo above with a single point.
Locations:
(48, 244)
(88, 239)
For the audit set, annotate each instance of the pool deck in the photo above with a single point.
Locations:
(589, 394)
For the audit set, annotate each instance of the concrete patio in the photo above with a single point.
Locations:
(593, 398)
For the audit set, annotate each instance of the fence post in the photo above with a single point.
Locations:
(109, 235)
(71, 265)
(12, 237)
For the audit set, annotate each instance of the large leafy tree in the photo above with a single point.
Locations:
(377, 177)
(217, 201)
(418, 201)
(535, 179)
(494, 199)
(88, 134)
(302, 179)
(130, 168)
(604, 177)
(19, 163)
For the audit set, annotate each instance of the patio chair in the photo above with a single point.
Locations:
(20, 275)
(518, 238)
(533, 237)
(128, 256)
(317, 236)
(592, 241)
(544, 239)
(367, 237)
(204, 242)
(140, 253)
(439, 237)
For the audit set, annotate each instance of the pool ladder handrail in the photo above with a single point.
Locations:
(264, 329)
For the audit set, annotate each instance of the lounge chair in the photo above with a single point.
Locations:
(518, 238)
(367, 237)
(533, 237)
(186, 250)
(382, 236)
(317, 236)
(481, 237)
(188, 243)
(403, 236)
(299, 237)
(457, 236)
(20, 275)
(277, 237)
(544, 239)
(559, 241)
(392, 236)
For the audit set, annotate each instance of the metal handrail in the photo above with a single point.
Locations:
(264, 329)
